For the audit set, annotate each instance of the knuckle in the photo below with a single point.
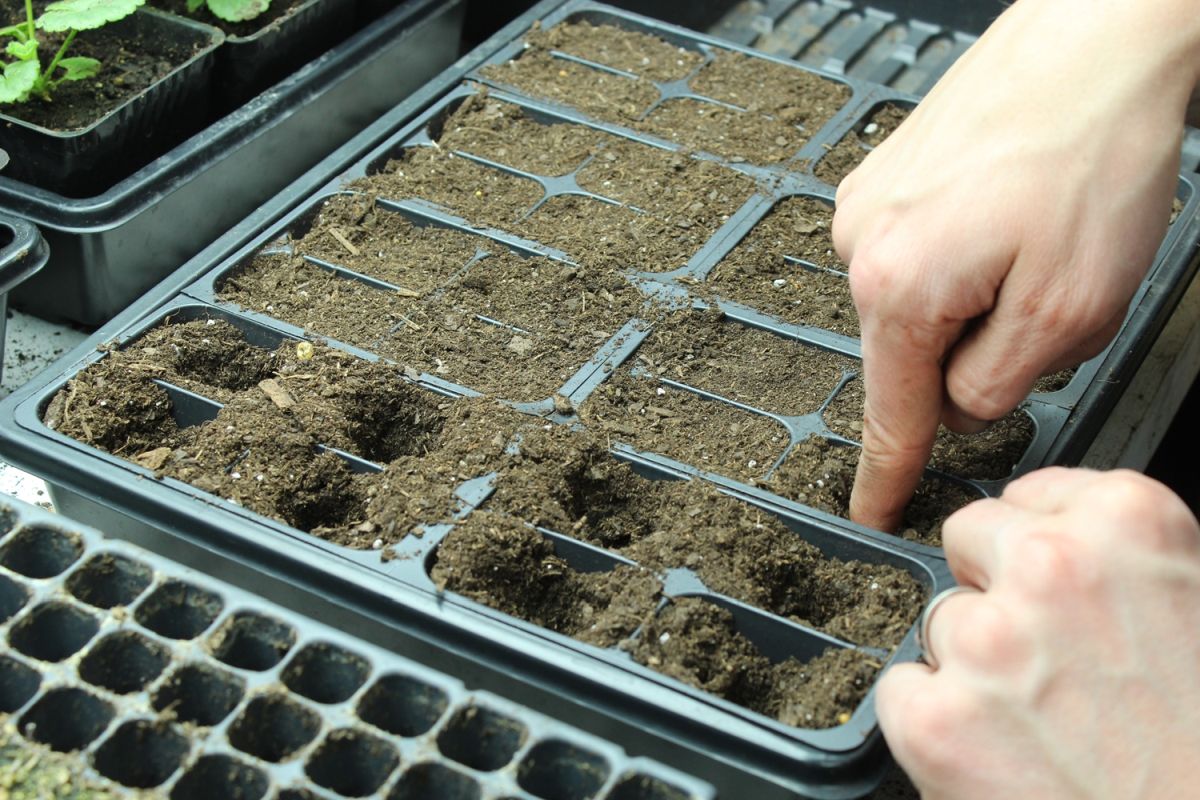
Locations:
(1144, 513)
(987, 638)
(976, 393)
(1046, 563)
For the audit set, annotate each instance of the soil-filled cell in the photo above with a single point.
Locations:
(40, 552)
(699, 644)
(1055, 382)
(325, 673)
(764, 271)
(481, 739)
(198, 694)
(402, 705)
(53, 631)
(643, 787)
(13, 597)
(108, 580)
(124, 662)
(701, 432)
(848, 153)
(18, 683)
(557, 770)
(742, 363)
(727, 132)
(820, 473)
(273, 728)
(142, 754)
(221, 776)
(178, 610)
(252, 641)
(642, 54)
(352, 763)
(66, 719)
(432, 781)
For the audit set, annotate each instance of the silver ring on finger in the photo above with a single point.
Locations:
(923, 641)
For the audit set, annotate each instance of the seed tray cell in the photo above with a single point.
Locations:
(332, 716)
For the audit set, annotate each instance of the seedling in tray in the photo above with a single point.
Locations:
(231, 10)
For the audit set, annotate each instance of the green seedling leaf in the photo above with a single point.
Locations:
(23, 51)
(78, 67)
(82, 15)
(238, 10)
(194, 5)
(18, 81)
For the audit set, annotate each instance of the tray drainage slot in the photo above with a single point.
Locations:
(435, 782)
(199, 694)
(124, 662)
(178, 610)
(557, 770)
(41, 552)
(109, 580)
(66, 719)
(273, 728)
(142, 754)
(352, 763)
(481, 739)
(252, 641)
(326, 674)
(220, 776)
(402, 706)
(53, 632)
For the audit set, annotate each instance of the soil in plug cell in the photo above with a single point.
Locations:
(763, 272)
(854, 146)
(794, 96)
(698, 643)
(704, 433)
(739, 136)
(639, 53)
(991, 454)
(750, 365)
(1055, 382)
(503, 563)
(820, 473)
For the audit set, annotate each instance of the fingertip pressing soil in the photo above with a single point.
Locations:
(642, 54)
(991, 454)
(709, 434)
(820, 473)
(511, 567)
(762, 270)
(708, 351)
(854, 146)
(696, 642)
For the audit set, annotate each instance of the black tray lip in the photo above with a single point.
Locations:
(23, 256)
(199, 510)
(539, 727)
(145, 187)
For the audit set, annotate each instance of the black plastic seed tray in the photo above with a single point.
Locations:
(22, 253)
(163, 678)
(739, 750)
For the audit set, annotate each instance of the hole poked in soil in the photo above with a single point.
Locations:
(66, 719)
(325, 673)
(141, 754)
(178, 610)
(699, 643)
(782, 268)
(18, 683)
(557, 770)
(433, 781)
(820, 473)
(251, 641)
(199, 694)
(644, 787)
(481, 739)
(352, 763)
(502, 563)
(109, 580)
(123, 662)
(701, 432)
(13, 597)
(991, 454)
(402, 705)
(854, 146)
(41, 552)
(707, 350)
(273, 728)
(221, 776)
(53, 631)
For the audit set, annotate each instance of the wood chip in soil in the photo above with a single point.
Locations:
(631, 51)
(854, 146)
(794, 96)
(698, 643)
(507, 565)
(759, 274)
(820, 473)
(750, 365)
(706, 434)
(989, 455)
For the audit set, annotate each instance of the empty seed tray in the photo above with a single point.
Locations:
(564, 371)
(164, 679)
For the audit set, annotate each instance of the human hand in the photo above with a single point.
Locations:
(1000, 232)
(1072, 673)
